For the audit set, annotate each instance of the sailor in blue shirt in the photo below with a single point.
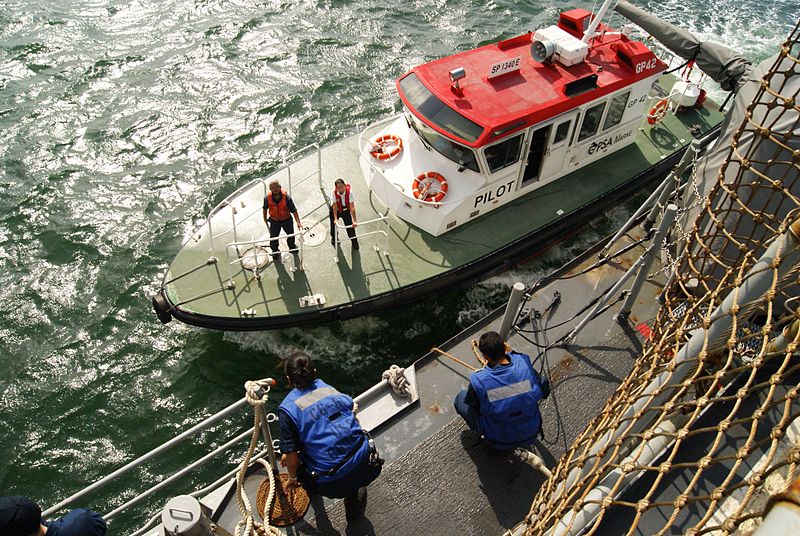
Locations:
(323, 446)
(20, 516)
(502, 401)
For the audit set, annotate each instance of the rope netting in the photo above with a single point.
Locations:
(706, 427)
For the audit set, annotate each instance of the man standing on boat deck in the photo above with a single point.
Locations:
(502, 401)
(343, 207)
(279, 209)
(323, 446)
(20, 516)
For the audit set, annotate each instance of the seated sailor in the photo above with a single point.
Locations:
(502, 400)
(324, 447)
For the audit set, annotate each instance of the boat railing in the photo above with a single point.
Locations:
(240, 258)
(288, 161)
(365, 142)
(340, 230)
(178, 439)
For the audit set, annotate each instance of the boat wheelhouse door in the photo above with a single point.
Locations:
(536, 152)
(558, 145)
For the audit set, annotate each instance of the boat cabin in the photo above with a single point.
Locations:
(483, 127)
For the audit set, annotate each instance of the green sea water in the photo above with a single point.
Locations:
(122, 122)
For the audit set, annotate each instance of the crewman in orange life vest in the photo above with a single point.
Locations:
(343, 207)
(278, 211)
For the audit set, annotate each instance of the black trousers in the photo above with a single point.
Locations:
(275, 227)
(347, 219)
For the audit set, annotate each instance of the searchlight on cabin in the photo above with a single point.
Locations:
(455, 75)
(542, 51)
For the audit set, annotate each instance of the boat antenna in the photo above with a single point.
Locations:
(589, 33)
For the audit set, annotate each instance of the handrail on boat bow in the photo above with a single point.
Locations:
(340, 227)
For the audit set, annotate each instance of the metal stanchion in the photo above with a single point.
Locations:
(517, 291)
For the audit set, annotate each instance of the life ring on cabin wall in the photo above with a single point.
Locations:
(386, 147)
(425, 180)
(658, 111)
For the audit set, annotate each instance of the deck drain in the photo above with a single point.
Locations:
(316, 233)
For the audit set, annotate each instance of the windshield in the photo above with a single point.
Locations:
(463, 156)
(437, 112)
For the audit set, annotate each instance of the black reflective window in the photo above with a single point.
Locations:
(561, 132)
(463, 156)
(591, 120)
(431, 108)
(503, 154)
(615, 110)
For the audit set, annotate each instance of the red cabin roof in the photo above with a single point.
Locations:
(536, 91)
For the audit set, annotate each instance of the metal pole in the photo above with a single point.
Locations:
(614, 290)
(663, 228)
(156, 451)
(517, 291)
(268, 439)
(628, 224)
(587, 36)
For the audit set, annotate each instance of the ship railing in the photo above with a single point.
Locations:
(286, 167)
(263, 241)
(340, 230)
(365, 141)
(178, 439)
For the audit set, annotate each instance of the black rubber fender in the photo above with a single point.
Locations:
(162, 307)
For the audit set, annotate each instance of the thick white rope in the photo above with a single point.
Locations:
(397, 380)
(256, 395)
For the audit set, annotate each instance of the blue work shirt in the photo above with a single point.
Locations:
(78, 522)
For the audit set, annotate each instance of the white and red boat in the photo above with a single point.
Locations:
(499, 151)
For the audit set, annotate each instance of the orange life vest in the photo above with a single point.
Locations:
(278, 211)
(339, 206)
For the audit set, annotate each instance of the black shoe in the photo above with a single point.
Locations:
(355, 505)
(333, 242)
(355, 245)
(277, 258)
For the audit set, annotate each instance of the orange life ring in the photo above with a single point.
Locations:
(426, 181)
(658, 111)
(379, 147)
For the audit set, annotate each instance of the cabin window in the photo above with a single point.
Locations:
(503, 154)
(591, 121)
(463, 156)
(615, 110)
(561, 132)
(431, 108)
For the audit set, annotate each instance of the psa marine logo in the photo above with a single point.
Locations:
(493, 195)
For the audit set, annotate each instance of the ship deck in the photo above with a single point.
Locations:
(397, 262)
(437, 474)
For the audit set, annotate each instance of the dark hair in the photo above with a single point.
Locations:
(300, 370)
(338, 181)
(492, 344)
(19, 516)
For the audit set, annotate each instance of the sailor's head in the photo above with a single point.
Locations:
(299, 369)
(20, 516)
(492, 345)
(275, 186)
(340, 186)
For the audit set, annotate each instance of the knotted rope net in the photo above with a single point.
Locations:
(707, 424)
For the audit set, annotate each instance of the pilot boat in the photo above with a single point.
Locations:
(498, 152)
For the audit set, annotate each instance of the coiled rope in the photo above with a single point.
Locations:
(397, 380)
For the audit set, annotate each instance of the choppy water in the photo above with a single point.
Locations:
(122, 122)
